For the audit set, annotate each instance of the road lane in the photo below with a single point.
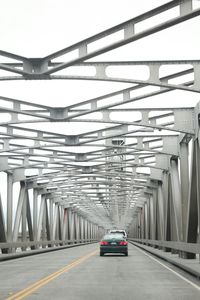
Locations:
(110, 277)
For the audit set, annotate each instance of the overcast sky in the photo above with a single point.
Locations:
(36, 28)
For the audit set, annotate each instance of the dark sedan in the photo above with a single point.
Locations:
(113, 243)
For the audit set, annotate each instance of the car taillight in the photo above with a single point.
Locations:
(123, 243)
(103, 243)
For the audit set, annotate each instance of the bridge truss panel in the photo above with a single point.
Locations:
(132, 172)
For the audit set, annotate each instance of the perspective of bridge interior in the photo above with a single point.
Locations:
(126, 157)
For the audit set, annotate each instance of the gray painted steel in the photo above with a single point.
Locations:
(77, 195)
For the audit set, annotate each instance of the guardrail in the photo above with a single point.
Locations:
(37, 244)
(33, 246)
(193, 248)
(38, 247)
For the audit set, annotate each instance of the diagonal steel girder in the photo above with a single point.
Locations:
(117, 175)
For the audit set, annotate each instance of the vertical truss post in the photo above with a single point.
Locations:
(2, 227)
(95, 231)
(9, 206)
(160, 212)
(90, 230)
(75, 227)
(51, 219)
(40, 219)
(198, 184)
(18, 214)
(139, 223)
(29, 219)
(55, 222)
(48, 235)
(65, 227)
(86, 229)
(24, 216)
(81, 229)
(135, 228)
(172, 223)
(176, 198)
(131, 229)
(60, 223)
(69, 213)
(193, 213)
(35, 213)
(153, 208)
(78, 228)
(99, 232)
(147, 219)
(166, 207)
(71, 225)
(142, 223)
(43, 234)
(184, 176)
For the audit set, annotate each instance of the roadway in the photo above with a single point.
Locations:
(81, 274)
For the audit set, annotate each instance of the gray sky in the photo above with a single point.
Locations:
(36, 28)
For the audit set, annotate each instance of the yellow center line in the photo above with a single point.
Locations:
(33, 287)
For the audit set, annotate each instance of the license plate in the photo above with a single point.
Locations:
(113, 243)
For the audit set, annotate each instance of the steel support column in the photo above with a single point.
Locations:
(160, 212)
(176, 198)
(153, 221)
(2, 227)
(18, 214)
(24, 216)
(29, 219)
(55, 222)
(65, 227)
(35, 213)
(193, 213)
(9, 206)
(166, 198)
(71, 225)
(147, 220)
(184, 176)
(40, 218)
(81, 229)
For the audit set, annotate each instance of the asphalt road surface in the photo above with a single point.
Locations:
(81, 274)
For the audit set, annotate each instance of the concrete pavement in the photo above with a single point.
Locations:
(73, 275)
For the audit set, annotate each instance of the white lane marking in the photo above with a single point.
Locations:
(177, 274)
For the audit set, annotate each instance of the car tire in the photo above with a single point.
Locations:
(101, 253)
(126, 253)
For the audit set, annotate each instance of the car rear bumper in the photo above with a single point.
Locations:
(113, 249)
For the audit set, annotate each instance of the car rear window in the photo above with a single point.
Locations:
(116, 231)
(113, 236)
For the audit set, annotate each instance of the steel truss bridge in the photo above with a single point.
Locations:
(139, 171)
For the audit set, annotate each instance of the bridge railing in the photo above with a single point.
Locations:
(31, 245)
(172, 246)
